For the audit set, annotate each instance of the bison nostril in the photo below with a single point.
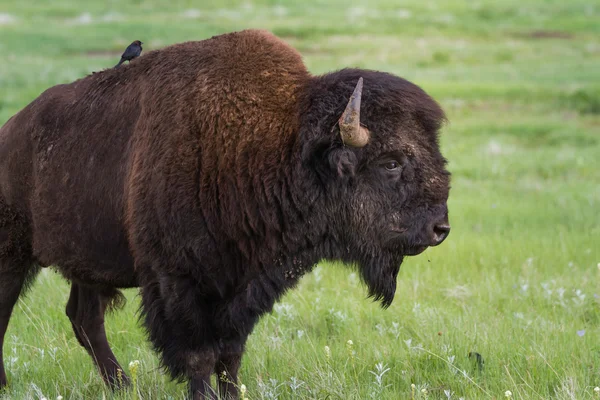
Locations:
(440, 232)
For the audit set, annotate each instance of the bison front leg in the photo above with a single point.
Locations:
(200, 366)
(235, 320)
(178, 321)
(228, 365)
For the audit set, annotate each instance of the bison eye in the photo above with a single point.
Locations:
(392, 165)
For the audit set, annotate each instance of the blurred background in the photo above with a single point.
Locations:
(518, 278)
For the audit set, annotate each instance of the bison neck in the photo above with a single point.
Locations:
(224, 200)
(216, 190)
(266, 215)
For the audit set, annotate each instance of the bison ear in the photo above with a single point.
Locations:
(342, 162)
(330, 160)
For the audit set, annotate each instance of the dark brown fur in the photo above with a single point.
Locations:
(212, 175)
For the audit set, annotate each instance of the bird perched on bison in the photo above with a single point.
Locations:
(213, 175)
(132, 51)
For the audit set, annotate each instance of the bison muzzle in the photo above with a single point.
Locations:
(213, 175)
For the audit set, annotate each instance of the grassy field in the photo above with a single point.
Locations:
(518, 280)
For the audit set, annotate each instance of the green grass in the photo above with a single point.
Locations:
(517, 279)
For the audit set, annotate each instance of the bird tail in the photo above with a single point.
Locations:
(120, 62)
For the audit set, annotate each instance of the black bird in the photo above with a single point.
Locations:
(132, 51)
(477, 358)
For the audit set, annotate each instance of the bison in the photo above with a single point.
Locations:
(212, 175)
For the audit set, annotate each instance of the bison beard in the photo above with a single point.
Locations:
(213, 175)
(379, 273)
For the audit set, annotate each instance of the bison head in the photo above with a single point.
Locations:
(373, 142)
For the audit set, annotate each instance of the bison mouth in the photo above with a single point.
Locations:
(397, 241)
(415, 250)
(412, 245)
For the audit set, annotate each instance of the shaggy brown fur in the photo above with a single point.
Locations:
(212, 175)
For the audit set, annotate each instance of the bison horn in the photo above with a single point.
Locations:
(352, 133)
